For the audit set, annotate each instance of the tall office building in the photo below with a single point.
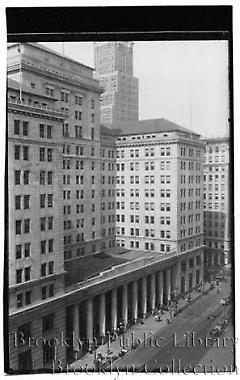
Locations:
(217, 202)
(159, 189)
(114, 70)
(54, 187)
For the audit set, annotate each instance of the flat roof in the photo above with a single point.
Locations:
(216, 139)
(87, 267)
(137, 127)
(51, 51)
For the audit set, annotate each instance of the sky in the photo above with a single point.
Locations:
(182, 81)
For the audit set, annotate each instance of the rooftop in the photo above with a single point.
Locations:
(149, 126)
(217, 140)
(51, 51)
(88, 267)
(108, 131)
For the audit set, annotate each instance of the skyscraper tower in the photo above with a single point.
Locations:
(114, 70)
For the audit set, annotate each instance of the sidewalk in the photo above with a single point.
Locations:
(136, 334)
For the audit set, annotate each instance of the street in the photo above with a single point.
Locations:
(186, 342)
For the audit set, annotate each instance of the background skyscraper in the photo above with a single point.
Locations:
(114, 69)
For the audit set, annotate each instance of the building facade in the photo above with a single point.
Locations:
(114, 70)
(217, 202)
(54, 184)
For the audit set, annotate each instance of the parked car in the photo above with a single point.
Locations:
(216, 331)
(225, 301)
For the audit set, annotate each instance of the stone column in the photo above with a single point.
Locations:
(168, 284)
(76, 327)
(212, 259)
(153, 292)
(144, 297)
(102, 316)
(160, 288)
(219, 259)
(135, 301)
(194, 272)
(125, 303)
(114, 310)
(89, 318)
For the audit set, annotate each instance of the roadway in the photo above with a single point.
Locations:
(185, 344)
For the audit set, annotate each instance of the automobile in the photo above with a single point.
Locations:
(216, 331)
(212, 316)
(225, 301)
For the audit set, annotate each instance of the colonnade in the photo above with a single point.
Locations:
(127, 303)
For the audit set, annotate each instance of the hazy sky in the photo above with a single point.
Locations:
(176, 77)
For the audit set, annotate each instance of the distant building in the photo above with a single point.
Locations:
(114, 70)
(217, 202)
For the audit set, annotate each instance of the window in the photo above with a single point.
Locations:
(27, 273)
(26, 177)
(18, 276)
(17, 177)
(49, 131)
(50, 200)
(18, 202)
(44, 292)
(25, 128)
(42, 200)
(49, 154)
(16, 127)
(42, 177)
(17, 152)
(78, 100)
(64, 96)
(25, 153)
(18, 227)
(41, 130)
(28, 297)
(43, 246)
(50, 245)
(50, 267)
(18, 251)
(48, 322)
(19, 300)
(41, 154)
(50, 222)
(26, 201)
(51, 290)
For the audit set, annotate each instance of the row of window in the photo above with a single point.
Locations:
(190, 205)
(79, 150)
(190, 179)
(183, 232)
(44, 153)
(164, 165)
(183, 152)
(148, 152)
(191, 166)
(24, 274)
(214, 206)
